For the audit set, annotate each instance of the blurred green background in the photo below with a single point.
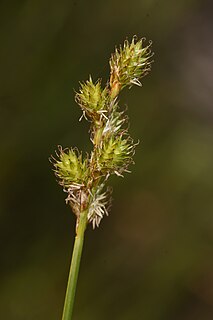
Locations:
(152, 258)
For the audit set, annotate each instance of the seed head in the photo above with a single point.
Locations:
(115, 155)
(84, 180)
(92, 99)
(129, 64)
(70, 169)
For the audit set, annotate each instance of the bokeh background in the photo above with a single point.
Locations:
(152, 258)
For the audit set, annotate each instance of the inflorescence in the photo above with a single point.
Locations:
(84, 179)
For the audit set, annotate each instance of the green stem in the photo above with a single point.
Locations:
(74, 268)
(98, 136)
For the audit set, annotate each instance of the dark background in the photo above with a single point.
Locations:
(152, 257)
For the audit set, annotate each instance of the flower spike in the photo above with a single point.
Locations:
(84, 179)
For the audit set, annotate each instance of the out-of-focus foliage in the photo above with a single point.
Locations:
(152, 258)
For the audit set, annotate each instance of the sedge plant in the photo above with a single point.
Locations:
(84, 178)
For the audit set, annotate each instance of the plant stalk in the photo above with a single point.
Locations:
(74, 267)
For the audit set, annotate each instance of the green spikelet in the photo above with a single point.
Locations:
(70, 168)
(129, 64)
(92, 99)
(115, 155)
